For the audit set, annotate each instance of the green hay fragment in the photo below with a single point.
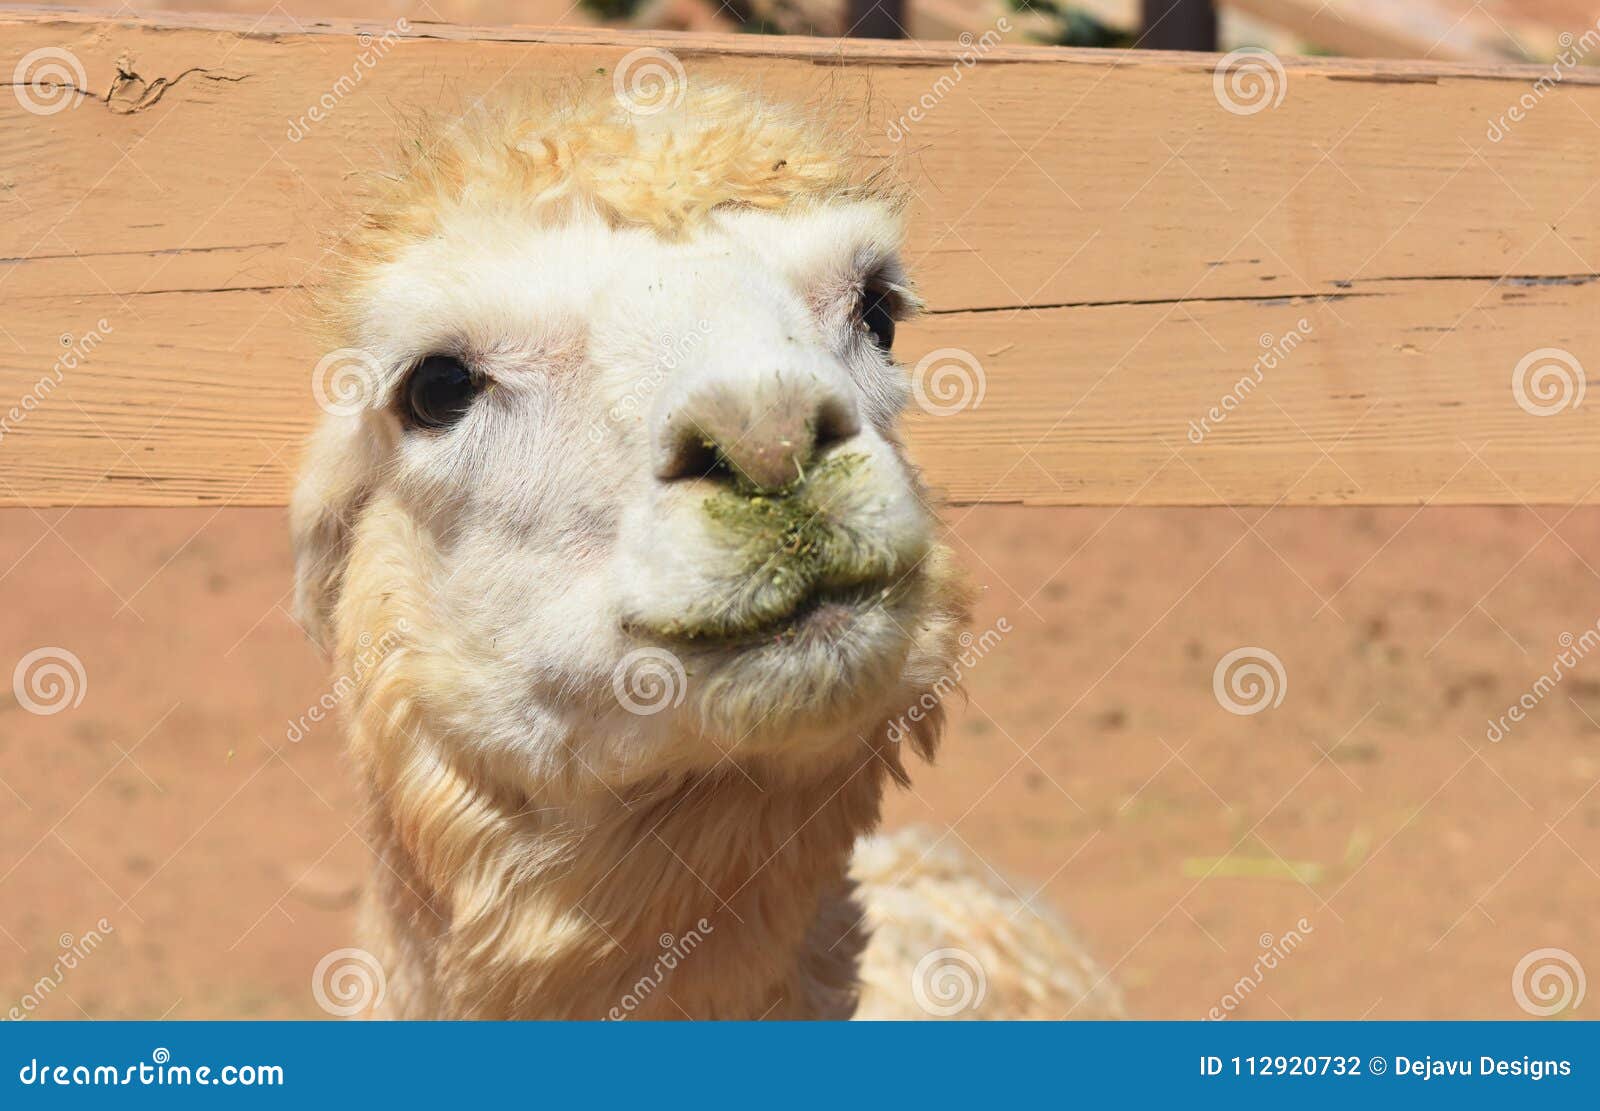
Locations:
(1254, 868)
(1357, 848)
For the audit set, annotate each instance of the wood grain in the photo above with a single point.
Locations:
(1097, 230)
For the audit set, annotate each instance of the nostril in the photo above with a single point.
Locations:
(695, 455)
(836, 422)
(723, 439)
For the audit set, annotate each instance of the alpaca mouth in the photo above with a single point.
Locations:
(823, 613)
(812, 563)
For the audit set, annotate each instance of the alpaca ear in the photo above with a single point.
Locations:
(341, 464)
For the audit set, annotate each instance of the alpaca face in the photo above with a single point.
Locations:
(639, 500)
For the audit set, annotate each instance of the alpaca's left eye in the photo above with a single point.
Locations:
(439, 392)
(877, 315)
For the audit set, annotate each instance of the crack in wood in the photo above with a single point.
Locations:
(1250, 298)
(151, 251)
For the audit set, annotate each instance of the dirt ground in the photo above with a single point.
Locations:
(1094, 765)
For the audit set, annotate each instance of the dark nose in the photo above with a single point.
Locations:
(766, 433)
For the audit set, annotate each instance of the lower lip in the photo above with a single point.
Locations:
(827, 617)
(820, 618)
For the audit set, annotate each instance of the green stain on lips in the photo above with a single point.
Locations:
(793, 547)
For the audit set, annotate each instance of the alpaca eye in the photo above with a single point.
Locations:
(877, 316)
(440, 392)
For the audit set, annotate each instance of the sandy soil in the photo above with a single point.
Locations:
(1093, 765)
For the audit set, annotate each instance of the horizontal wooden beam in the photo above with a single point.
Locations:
(1311, 283)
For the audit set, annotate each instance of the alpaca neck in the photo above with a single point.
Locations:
(721, 896)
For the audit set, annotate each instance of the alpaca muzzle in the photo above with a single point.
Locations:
(814, 544)
(760, 431)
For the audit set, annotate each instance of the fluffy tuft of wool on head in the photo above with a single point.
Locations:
(550, 154)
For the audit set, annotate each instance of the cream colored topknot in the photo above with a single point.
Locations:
(548, 154)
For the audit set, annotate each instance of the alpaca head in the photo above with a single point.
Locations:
(620, 492)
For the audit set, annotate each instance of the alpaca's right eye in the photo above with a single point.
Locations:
(440, 392)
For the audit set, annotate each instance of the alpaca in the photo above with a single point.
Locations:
(625, 505)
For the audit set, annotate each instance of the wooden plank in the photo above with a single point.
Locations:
(1100, 232)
